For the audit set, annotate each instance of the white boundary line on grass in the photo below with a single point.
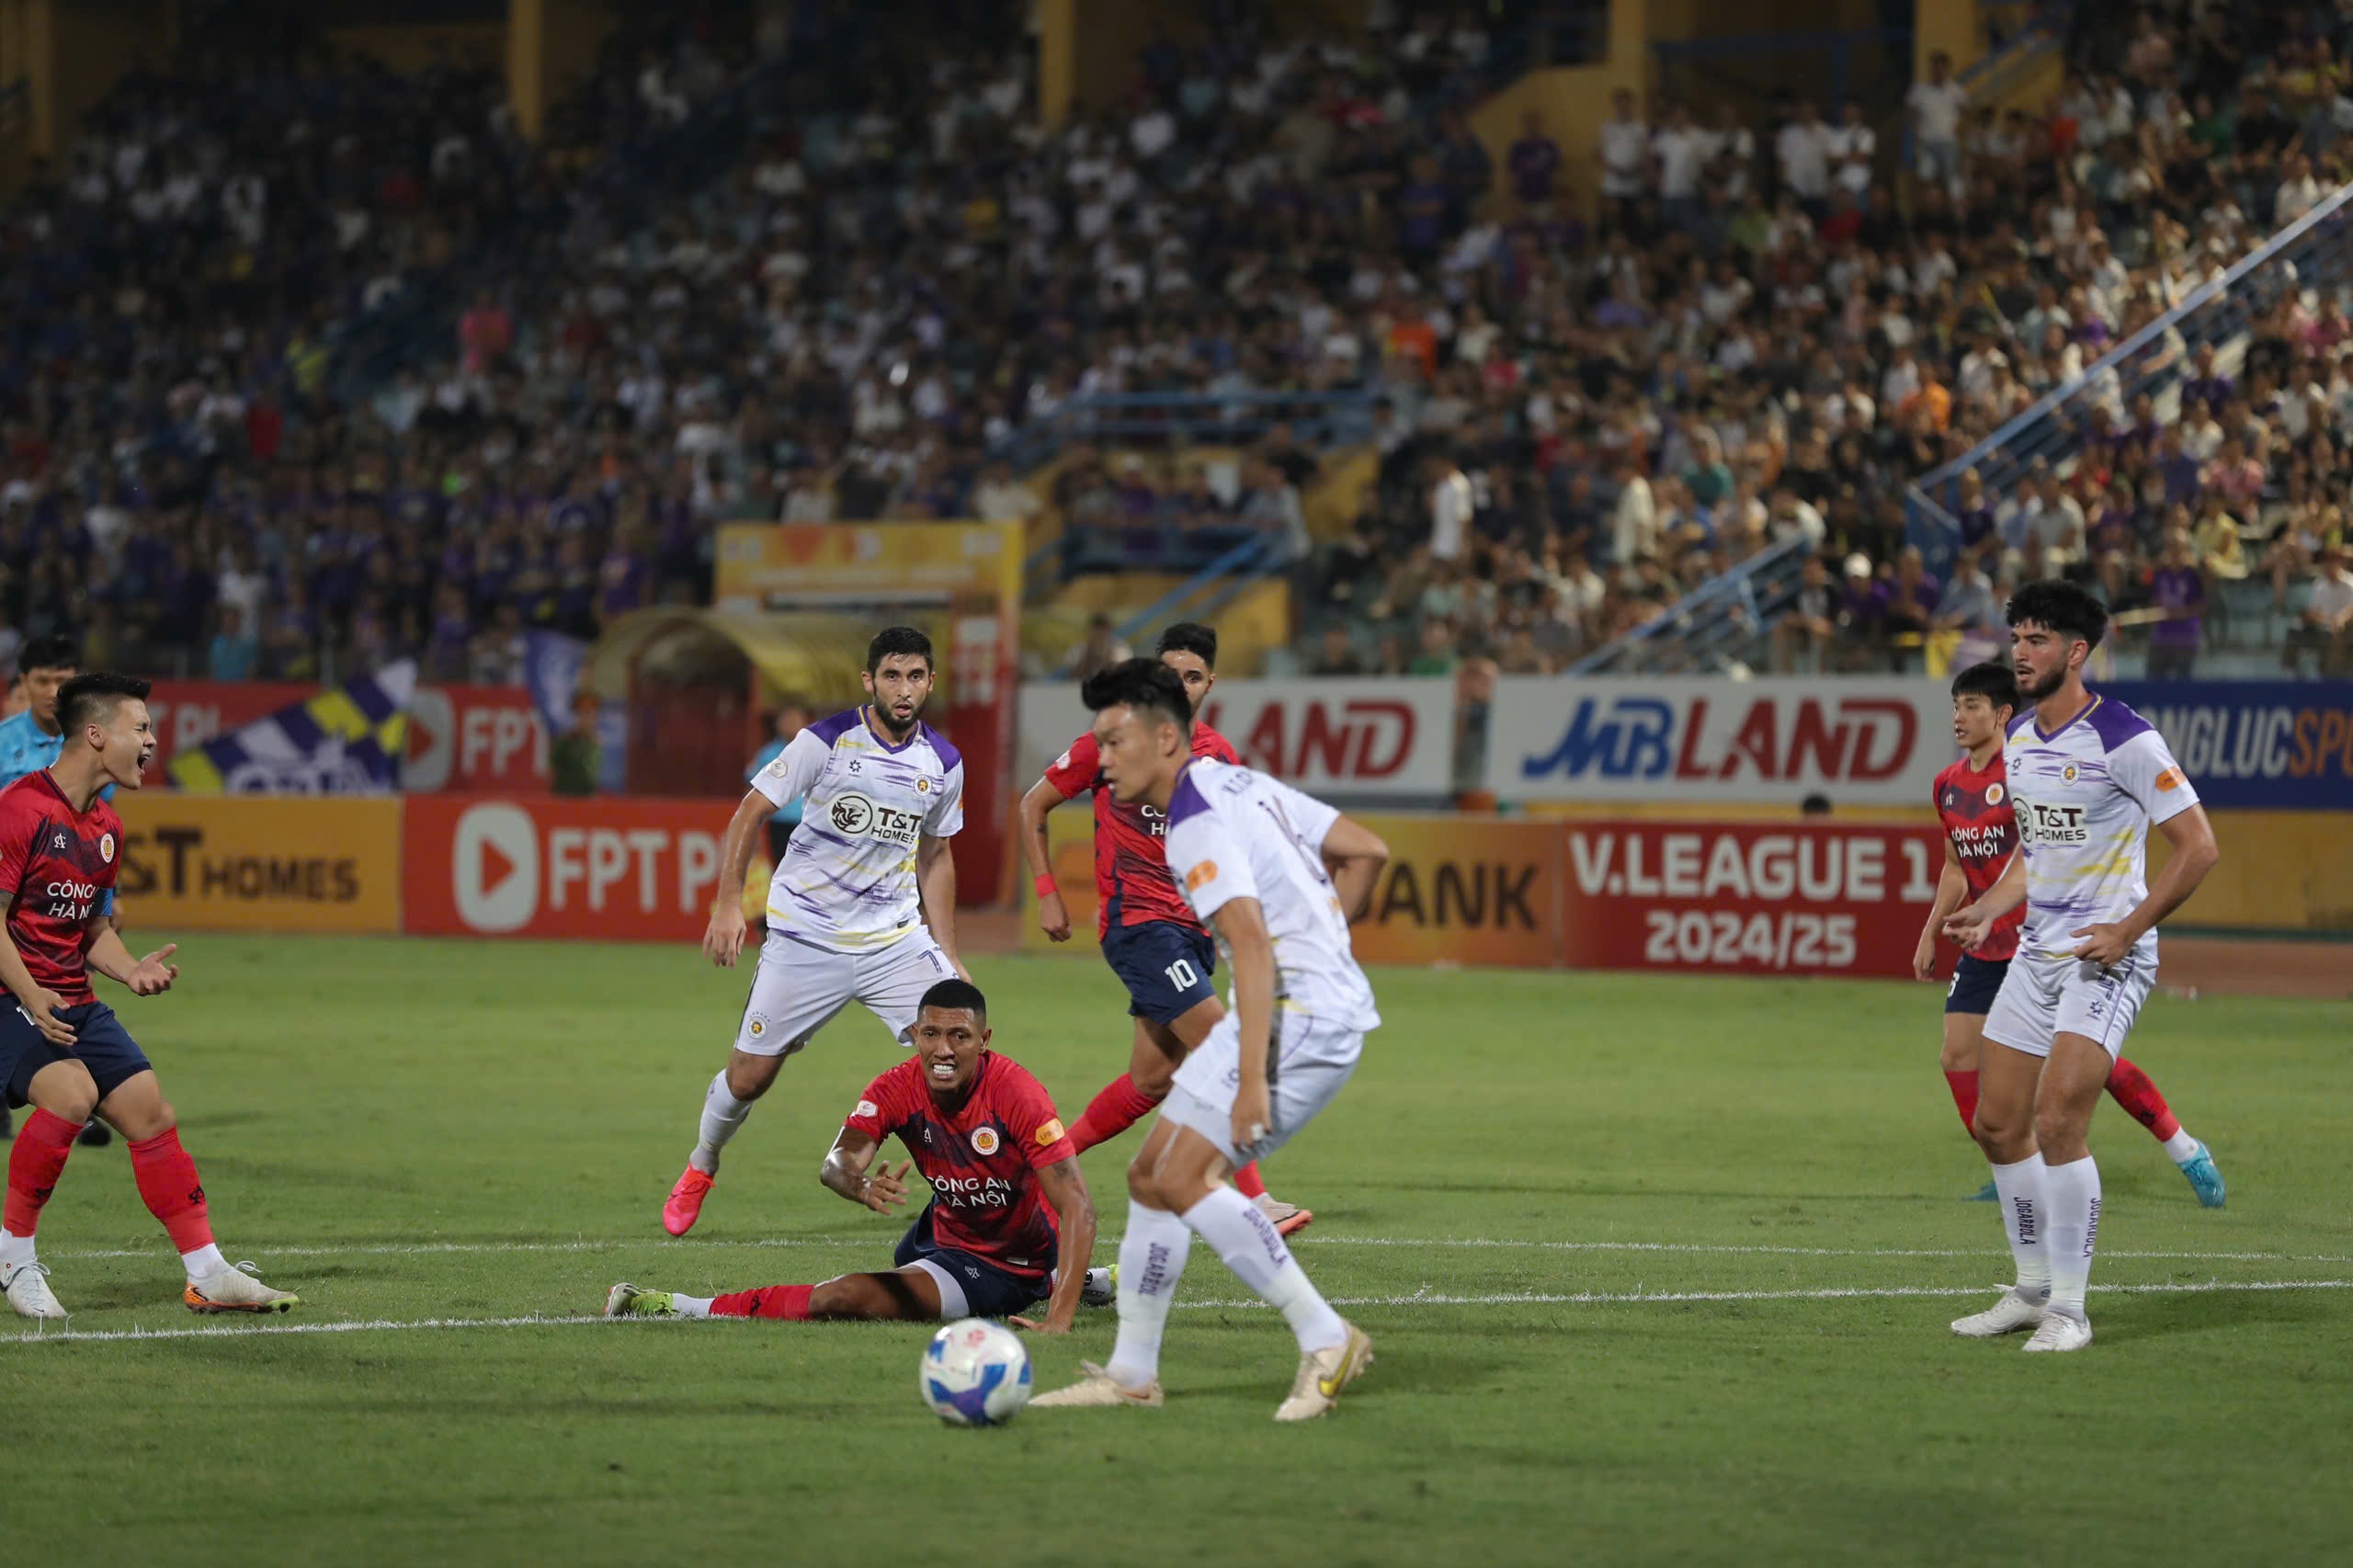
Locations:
(1419, 1299)
(413, 1249)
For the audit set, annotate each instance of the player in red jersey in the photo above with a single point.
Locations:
(1149, 935)
(62, 1049)
(1981, 831)
(1009, 1222)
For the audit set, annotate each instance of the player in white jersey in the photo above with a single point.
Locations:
(1277, 877)
(862, 907)
(2088, 776)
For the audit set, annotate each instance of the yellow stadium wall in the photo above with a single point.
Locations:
(411, 50)
(1574, 100)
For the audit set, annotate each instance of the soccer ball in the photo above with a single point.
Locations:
(976, 1373)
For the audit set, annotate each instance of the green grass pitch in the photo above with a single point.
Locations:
(1659, 1273)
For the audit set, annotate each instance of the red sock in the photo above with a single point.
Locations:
(34, 1166)
(173, 1194)
(789, 1302)
(1120, 1106)
(2130, 1088)
(1964, 1097)
(1247, 1182)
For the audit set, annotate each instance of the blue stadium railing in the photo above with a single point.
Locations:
(1717, 626)
(2312, 252)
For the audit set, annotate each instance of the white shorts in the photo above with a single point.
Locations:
(1314, 1058)
(798, 989)
(2042, 998)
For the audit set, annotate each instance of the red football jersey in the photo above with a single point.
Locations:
(57, 869)
(1130, 864)
(979, 1159)
(1975, 809)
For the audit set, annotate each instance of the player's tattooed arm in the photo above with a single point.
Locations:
(847, 1171)
(936, 887)
(1970, 926)
(1065, 1188)
(1354, 855)
(722, 938)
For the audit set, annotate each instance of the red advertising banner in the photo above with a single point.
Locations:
(603, 869)
(474, 738)
(1724, 898)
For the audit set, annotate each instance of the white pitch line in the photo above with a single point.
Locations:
(420, 1249)
(1419, 1299)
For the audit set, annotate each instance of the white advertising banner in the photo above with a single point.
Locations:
(1859, 740)
(1337, 737)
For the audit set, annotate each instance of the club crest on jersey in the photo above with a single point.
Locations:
(922, 786)
(106, 847)
(985, 1140)
(2067, 774)
(1993, 793)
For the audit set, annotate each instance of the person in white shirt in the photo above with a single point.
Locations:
(2298, 194)
(1276, 876)
(2327, 619)
(1680, 151)
(862, 907)
(1451, 502)
(1802, 150)
(1935, 106)
(1625, 150)
(2087, 778)
(1851, 144)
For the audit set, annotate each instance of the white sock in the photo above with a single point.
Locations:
(723, 1113)
(204, 1261)
(2020, 1186)
(2181, 1148)
(1246, 1239)
(14, 1249)
(690, 1306)
(2071, 1199)
(1151, 1259)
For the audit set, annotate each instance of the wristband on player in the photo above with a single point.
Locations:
(1045, 886)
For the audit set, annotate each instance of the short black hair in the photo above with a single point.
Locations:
(1814, 805)
(892, 640)
(1144, 684)
(954, 995)
(52, 651)
(89, 699)
(2066, 608)
(1190, 637)
(1993, 680)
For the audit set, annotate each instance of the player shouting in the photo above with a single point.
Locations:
(1278, 876)
(2088, 777)
(1009, 1222)
(1981, 832)
(1149, 935)
(62, 1049)
(862, 907)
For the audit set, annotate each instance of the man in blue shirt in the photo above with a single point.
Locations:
(31, 741)
(792, 718)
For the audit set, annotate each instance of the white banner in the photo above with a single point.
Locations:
(1336, 736)
(1860, 741)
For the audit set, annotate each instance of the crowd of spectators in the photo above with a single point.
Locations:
(1764, 335)
(1766, 327)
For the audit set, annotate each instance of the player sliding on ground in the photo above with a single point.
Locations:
(1149, 935)
(1009, 1222)
(1278, 876)
(62, 1049)
(2088, 777)
(1980, 827)
(862, 907)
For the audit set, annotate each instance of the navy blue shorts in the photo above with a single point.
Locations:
(989, 1291)
(1166, 967)
(100, 1043)
(1975, 983)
